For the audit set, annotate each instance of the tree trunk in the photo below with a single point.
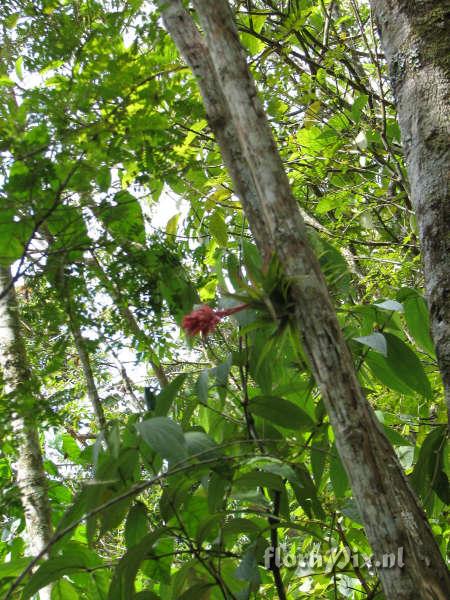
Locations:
(30, 474)
(388, 507)
(91, 388)
(416, 42)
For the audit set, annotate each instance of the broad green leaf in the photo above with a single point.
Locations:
(281, 412)
(103, 178)
(200, 446)
(319, 454)
(165, 437)
(64, 590)
(406, 364)
(382, 371)
(18, 67)
(218, 228)
(70, 448)
(338, 476)
(417, 318)
(172, 223)
(255, 479)
(165, 398)
(146, 595)
(201, 386)
(54, 569)
(306, 492)
(124, 219)
(136, 526)
(428, 474)
(199, 591)
(390, 305)
(13, 568)
(395, 438)
(122, 583)
(401, 369)
(376, 340)
(14, 235)
(5, 81)
(217, 487)
(248, 567)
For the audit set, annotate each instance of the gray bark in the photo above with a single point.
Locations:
(91, 388)
(30, 474)
(415, 35)
(388, 507)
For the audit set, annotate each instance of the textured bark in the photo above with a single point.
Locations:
(388, 507)
(30, 474)
(416, 39)
(91, 388)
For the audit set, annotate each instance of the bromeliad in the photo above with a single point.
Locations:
(204, 319)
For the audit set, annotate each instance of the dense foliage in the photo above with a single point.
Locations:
(212, 448)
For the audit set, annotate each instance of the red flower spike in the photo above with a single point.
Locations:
(204, 319)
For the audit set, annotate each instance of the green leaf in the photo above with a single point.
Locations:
(218, 228)
(172, 223)
(122, 583)
(376, 340)
(54, 569)
(124, 220)
(427, 472)
(5, 81)
(382, 371)
(417, 318)
(64, 590)
(248, 567)
(200, 446)
(165, 437)
(401, 369)
(136, 526)
(13, 568)
(13, 237)
(146, 595)
(338, 476)
(70, 448)
(199, 591)
(281, 412)
(319, 452)
(18, 67)
(103, 179)
(406, 364)
(256, 478)
(395, 438)
(306, 492)
(165, 398)
(390, 305)
(217, 487)
(201, 386)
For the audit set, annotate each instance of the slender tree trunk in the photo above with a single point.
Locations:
(416, 39)
(30, 474)
(91, 388)
(389, 509)
(63, 288)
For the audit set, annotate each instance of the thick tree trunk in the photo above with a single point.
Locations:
(388, 507)
(30, 474)
(416, 41)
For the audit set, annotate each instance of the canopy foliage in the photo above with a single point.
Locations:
(117, 218)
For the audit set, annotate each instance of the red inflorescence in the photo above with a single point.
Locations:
(204, 319)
